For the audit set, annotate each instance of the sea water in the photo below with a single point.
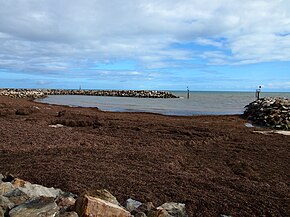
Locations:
(199, 103)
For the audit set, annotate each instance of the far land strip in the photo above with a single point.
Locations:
(213, 164)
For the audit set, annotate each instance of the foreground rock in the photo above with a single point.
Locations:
(42, 206)
(19, 198)
(40, 93)
(270, 112)
(88, 206)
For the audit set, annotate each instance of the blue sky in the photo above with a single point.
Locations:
(224, 45)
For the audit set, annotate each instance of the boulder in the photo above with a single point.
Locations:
(131, 204)
(41, 206)
(105, 195)
(34, 190)
(87, 206)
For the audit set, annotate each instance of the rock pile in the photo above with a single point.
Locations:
(270, 112)
(40, 93)
(23, 93)
(19, 198)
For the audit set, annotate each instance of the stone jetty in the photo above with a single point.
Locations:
(19, 198)
(270, 112)
(40, 93)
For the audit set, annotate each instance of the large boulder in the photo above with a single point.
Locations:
(88, 206)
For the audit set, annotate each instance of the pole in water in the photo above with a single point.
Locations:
(258, 91)
(187, 92)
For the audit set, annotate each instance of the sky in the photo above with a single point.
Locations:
(208, 45)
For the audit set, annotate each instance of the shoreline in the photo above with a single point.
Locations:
(213, 164)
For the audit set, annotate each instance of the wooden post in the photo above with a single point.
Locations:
(187, 92)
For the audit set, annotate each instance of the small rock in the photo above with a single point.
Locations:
(249, 125)
(131, 204)
(174, 209)
(38, 207)
(56, 125)
(1, 177)
(18, 182)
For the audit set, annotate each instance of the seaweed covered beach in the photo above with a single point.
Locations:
(214, 164)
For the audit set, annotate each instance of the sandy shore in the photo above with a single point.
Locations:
(214, 164)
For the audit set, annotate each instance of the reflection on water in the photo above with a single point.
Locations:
(199, 103)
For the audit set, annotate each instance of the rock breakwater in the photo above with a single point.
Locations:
(40, 93)
(19, 198)
(270, 112)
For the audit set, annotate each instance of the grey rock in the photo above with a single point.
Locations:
(17, 196)
(34, 191)
(174, 209)
(131, 204)
(1, 177)
(42, 206)
(5, 187)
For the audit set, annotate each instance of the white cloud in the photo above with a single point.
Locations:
(52, 35)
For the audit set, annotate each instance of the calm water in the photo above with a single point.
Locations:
(200, 103)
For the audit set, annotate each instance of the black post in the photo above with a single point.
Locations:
(187, 92)
(258, 91)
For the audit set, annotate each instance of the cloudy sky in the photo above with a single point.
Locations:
(145, 44)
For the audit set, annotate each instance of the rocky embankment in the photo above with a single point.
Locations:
(19, 198)
(40, 93)
(270, 112)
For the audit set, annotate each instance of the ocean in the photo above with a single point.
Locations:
(199, 103)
